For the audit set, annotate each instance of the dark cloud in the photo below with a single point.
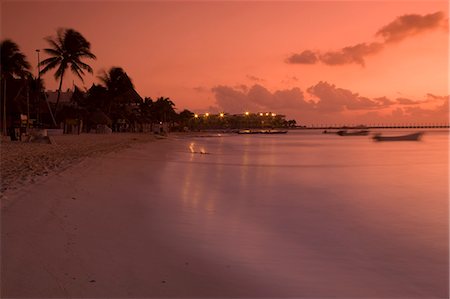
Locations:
(306, 57)
(399, 29)
(200, 89)
(231, 100)
(432, 97)
(405, 101)
(352, 54)
(330, 104)
(254, 78)
(384, 101)
(258, 98)
(408, 25)
(334, 99)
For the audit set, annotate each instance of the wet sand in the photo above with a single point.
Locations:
(156, 220)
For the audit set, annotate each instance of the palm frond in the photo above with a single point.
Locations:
(54, 44)
(50, 65)
(77, 71)
(84, 65)
(88, 55)
(53, 52)
(61, 70)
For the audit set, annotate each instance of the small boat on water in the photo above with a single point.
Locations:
(408, 137)
(353, 133)
(274, 132)
(262, 132)
(329, 132)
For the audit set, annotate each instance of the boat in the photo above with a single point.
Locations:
(408, 137)
(353, 133)
(248, 132)
(274, 132)
(262, 131)
(329, 132)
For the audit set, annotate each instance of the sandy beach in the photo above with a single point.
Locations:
(22, 163)
(159, 219)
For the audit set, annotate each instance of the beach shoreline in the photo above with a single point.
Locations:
(24, 163)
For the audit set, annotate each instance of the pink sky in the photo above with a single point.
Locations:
(210, 55)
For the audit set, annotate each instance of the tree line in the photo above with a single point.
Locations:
(112, 101)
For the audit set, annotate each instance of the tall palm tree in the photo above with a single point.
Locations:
(13, 64)
(67, 50)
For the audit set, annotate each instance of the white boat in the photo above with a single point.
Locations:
(408, 137)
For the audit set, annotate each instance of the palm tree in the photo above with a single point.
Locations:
(122, 98)
(163, 109)
(67, 49)
(13, 64)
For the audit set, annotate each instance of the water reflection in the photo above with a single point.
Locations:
(369, 219)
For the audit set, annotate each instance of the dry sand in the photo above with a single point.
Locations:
(22, 163)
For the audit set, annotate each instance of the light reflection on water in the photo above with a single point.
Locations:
(320, 215)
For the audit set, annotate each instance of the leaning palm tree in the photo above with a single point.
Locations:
(67, 50)
(13, 64)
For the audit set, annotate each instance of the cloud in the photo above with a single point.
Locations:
(254, 78)
(351, 54)
(405, 101)
(432, 97)
(331, 104)
(258, 98)
(334, 99)
(200, 89)
(231, 100)
(399, 29)
(306, 57)
(412, 24)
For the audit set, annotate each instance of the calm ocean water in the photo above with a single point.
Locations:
(315, 215)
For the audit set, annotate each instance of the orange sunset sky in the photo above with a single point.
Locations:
(321, 62)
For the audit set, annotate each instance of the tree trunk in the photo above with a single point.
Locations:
(59, 95)
(5, 132)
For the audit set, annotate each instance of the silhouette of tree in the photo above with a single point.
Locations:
(13, 64)
(163, 110)
(146, 110)
(35, 88)
(118, 86)
(67, 50)
(185, 117)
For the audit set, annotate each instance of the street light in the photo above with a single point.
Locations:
(221, 114)
(196, 115)
(206, 114)
(247, 113)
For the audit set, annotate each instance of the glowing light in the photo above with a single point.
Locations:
(267, 113)
(261, 114)
(247, 113)
(273, 114)
(206, 114)
(196, 115)
(221, 114)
